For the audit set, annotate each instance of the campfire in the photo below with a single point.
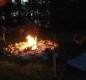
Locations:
(30, 47)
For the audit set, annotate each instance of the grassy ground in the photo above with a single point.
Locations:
(31, 71)
(37, 70)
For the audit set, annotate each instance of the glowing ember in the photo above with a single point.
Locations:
(21, 46)
(31, 46)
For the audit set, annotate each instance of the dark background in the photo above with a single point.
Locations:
(69, 15)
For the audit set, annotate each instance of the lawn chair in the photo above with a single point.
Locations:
(78, 39)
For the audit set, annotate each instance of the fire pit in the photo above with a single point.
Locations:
(31, 48)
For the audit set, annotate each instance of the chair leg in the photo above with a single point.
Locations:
(74, 38)
(81, 41)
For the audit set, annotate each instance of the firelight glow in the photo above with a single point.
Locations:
(32, 42)
(30, 46)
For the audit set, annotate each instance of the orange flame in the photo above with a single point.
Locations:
(32, 42)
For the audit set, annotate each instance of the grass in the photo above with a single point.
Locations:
(31, 71)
